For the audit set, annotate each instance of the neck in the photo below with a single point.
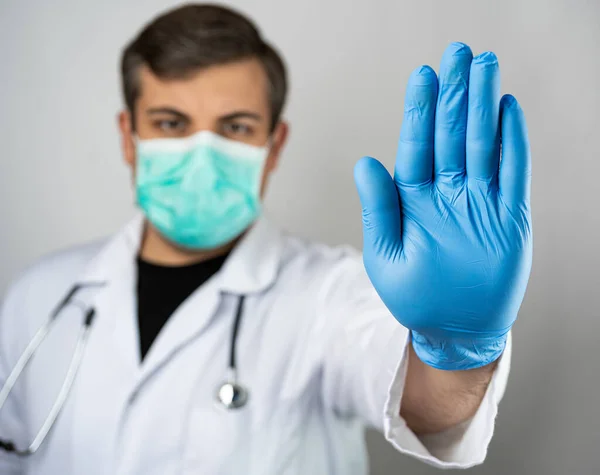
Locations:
(157, 250)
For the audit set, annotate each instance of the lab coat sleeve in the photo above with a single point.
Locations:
(364, 368)
(11, 423)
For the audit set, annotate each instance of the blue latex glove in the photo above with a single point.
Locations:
(448, 241)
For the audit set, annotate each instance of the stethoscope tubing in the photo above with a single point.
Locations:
(75, 363)
(72, 371)
(65, 388)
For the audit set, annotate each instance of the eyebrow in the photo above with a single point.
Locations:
(241, 115)
(167, 110)
(232, 116)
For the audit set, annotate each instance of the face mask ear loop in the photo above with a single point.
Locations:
(268, 146)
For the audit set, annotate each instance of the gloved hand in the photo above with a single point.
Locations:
(448, 241)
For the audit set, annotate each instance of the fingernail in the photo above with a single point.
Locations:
(510, 101)
(488, 58)
(423, 76)
(425, 71)
(457, 47)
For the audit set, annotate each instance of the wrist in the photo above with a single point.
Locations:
(457, 352)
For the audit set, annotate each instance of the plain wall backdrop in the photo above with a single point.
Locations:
(62, 180)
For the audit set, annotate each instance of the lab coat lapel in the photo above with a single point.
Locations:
(250, 268)
(253, 265)
(115, 303)
(184, 325)
(110, 367)
(105, 381)
(110, 374)
(118, 303)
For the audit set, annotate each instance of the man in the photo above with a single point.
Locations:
(201, 290)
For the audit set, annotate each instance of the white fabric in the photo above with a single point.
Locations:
(318, 350)
(230, 147)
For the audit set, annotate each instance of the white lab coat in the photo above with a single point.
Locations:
(318, 350)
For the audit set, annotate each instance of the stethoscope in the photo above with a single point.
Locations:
(230, 395)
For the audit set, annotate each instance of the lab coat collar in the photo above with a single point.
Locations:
(251, 267)
(117, 255)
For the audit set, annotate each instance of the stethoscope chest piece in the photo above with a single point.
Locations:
(232, 395)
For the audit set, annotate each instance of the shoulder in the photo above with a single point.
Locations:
(63, 265)
(51, 275)
(320, 263)
(38, 288)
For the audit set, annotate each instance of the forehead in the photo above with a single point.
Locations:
(215, 89)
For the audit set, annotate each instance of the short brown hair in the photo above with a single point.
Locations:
(186, 39)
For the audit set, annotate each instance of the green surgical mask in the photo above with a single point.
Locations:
(202, 191)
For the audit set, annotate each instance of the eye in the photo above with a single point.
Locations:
(237, 128)
(170, 125)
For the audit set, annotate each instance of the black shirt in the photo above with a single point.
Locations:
(161, 289)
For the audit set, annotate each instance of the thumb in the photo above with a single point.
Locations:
(381, 214)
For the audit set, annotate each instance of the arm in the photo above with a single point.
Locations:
(435, 400)
(365, 358)
(447, 245)
(11, 425)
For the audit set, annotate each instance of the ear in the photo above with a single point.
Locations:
(127, 143)
(278, 140)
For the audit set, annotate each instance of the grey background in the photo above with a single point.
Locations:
(62, 180)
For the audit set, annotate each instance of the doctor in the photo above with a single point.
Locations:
(200, 339)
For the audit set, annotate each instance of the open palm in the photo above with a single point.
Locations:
(447, 241)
